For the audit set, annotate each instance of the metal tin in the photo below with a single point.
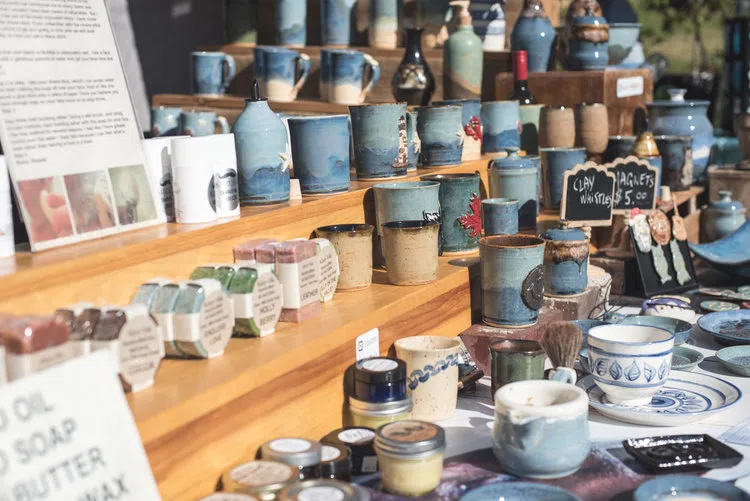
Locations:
(380, 379)
(262, 479)
(360, 441)
(313, 490)
(336, 462)
(299, 452)
(410, 439)
(374, 415)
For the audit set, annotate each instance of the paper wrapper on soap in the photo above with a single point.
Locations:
(298, 270)
(81, 320)
(34, 343)
(245, 252)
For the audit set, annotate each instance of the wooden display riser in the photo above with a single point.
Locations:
(732, 179)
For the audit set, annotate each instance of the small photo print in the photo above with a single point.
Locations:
(133, 198)
(90, 201)
(47, 214)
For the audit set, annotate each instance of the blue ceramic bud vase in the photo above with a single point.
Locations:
(460, 211)
(555, 163)
(535, 34)
(566, 260)
(517, 178)
(263, 153)
(441, 134)
(589, 44)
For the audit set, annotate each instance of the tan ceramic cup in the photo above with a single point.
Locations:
(353, 244)
(557, 127)
(592, 127)
(411, 251)
(432, 368)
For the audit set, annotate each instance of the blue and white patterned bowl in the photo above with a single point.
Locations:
(688, 487)
(727, 327)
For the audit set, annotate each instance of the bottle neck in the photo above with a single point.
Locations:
(414, 46)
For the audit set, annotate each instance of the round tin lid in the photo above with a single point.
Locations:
(321, 490)
(259, 477)
(726, 204)
(292, 451)
(336, 459)
(563, 233)
(380, 370)
(410, 438)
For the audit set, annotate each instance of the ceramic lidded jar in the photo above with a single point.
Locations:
(566, 260)
(535, 34)
(517, 178)
(589, 42)
(722, 217)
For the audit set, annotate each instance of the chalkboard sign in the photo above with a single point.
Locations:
(635, 185)
(588, 192)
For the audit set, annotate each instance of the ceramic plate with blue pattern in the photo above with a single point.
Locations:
(685, 398)
(728, 327)
(520, 491)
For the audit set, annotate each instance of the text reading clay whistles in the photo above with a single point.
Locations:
(203, 318)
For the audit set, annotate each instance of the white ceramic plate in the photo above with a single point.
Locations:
(685, 398)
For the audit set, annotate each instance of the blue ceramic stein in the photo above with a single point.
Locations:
(291, 23)
(335, 22)
(413, 141)
(555, 163)
(500, 216)
(343, 71)
(281, 72)
(566, 261)
(618, 147)
(202, 123)
(165, 121)
(407, 201)
(500, 120)
(379, 134)
(320, 149)
(471, 111)
(677, 163)
(460, 211)
(534, 33)
(441, 134)
(212, 72)
(517, 178)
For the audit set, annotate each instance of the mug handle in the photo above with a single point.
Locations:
(231, 70)
(222, 121)
(303, 65)
(375, 75)
(563, 375)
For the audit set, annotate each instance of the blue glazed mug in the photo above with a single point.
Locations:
(342, 74)
(555, 163)
(379, 134)
(407, 201)
(202, 123)
(441, 134)
(471, 111)
(460, 211)
(165, 121)
(291, 23)
(500, 216)
(566, 260)
(280, 72)
(212, 72)
(335, 22)
(320, 149)
(518, 178)
(500, 120)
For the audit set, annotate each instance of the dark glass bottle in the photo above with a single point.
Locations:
(521, 92)
(413, 82)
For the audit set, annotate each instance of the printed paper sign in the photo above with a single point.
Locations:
(368, 344)
(629, 87)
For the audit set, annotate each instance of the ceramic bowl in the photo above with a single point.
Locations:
(630, 363)
(727, 327)
(685, 359)
(622, 39)
(668, 307)
(677, 487)
(680, 328)
(519, 491)
(728, 254)
(736, 359)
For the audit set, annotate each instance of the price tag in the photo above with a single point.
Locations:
(295, 192)
(635, 185)
(368, 344)
(629, 87)
(587, 196)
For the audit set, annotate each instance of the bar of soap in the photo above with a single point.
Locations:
(162, 309)
(34, 343)
(203, 318)
(258, 298)
(81, 319)
(328, 263)
(221, 272)
(298, 270)
(245, 252)
(146, 293)
(134, 339)
(265, 256)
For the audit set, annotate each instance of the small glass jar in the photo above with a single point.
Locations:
(260, 478)
(336, 462)
(371, 415)
(360, 441)
(379, 379)
(410, 454)
(298, 452)
(229, 496)
(318, 490)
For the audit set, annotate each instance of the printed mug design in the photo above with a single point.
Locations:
(604, 366)
(418, 377)
(473, 129)
(532, 289)
(472, 220)
(434, 217)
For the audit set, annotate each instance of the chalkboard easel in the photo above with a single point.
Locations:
(588, 191)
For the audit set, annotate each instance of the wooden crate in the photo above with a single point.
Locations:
(734, 180)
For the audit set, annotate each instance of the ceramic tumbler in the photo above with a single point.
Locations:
(518, 178)
(500, 122)
(320, 149)
(380, 140)
(335, 22)
(212, 72)
(281, 72)
(515, 360)
(202, 123)
(512, 279)
(410, 249)
(406, 201)
(432, 368)
(557, 127)
(412, 140)
(353, 244)
(471, 112)
(165, 121)
(592, 127)
(555, 163)
(677, 161)
(291, 23)
(383, 24)
(618, 147)
(566, 261)
(441, 134)
(500, 216)
(529, 115)
(460, 211)
(345, 72)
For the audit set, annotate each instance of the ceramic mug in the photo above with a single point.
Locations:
(441, 134)
(460, 211)
(335, 22)
(212, 72)
(618, 147)
(515, 360)
(432, 368)
(342, 74)
(592, 127)
(353, 244)
(500, 216)
(406, 201)
(630, 363)
(202, 123)
(291, 23)
(165, 121)
(557, 127)
(471, 112)
(529, 115)
(280, 72)
(555, 163)
(320, 148)
(518, 178)
(380, 140)
(541, 429)
(411, 251)
(414, 144)
(677, 161)
(500, 124)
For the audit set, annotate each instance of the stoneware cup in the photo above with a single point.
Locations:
(412, 140)
(566, 260)
(500, 216)
(592, 127)
(406, 201)
(518, 178)
(500, 122)
(202, 123)
(515, 360)
(335, 22)
(471, 112)
(460, 211)
(677, 161)
(281, 72)
(618, 147)
(379, 134)
(512, 279)
(353, 244)
(212, 72)
(441, 134)
(165, 121)
(557, 127)
(291, 23)
(432, 368)
(555, 163)
(630, 363)
(529, 115)
(320, 148)
(541, 429)
(411, 251)
(345, 72)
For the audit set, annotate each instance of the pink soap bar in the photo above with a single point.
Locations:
(300, 314)
(266, 253)
(30, 334)
(300, 283)
(295, 251)
(246, 250)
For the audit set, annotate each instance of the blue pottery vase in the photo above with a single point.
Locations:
(500, 216)
(471, 112)
(441, 134)
(407, 201)
(721, 218)
(291, 23)
(379, 134)
(412, 140)
(555, 163)
(320, 149)
(335, 22)
(165, 121)
(677, 164)
(460, 211)
(500, 120)
(618, 147)
(566, 261)
(678, 117)
(263, 153)
(517, 178)
(212, 72)
(512, 275)
(589, 44)
(535, 34)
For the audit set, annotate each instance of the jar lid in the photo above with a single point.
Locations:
(563, 233)
(259, 477)
(335, 460)
(360, 442)
(353, 436)
(380, 370)
(725, 202)
(321, 490)
(512, 161)
(410, 438)
(381, 409)
(229, 496)
(292, 451)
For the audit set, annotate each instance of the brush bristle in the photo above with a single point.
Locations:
(562, 342)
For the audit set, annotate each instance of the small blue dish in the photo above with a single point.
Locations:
(685, 359)
(728, 327)
(520, 491)
(688, 487)
(680, 328)
(728, 254)
(736, 359)
(622, 39)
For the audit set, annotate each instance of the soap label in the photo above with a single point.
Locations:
(329, 271)
(141, 351)
(369, 464)
(330, 453)
(290, 445)
(380, 365)
(216, 322)
(356, 436)
(260, 473)
(368, 345)
(321, 493)
(300, 282)
(29, 363)
(267, 303)
(629, 87)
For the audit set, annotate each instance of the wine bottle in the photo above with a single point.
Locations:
(521, 92)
